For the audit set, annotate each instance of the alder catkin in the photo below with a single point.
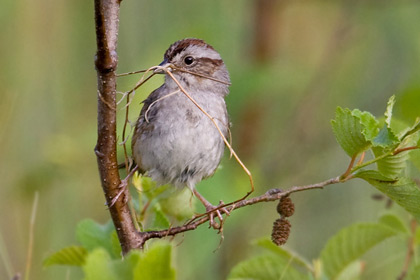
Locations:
(281, 231)
(286, 208)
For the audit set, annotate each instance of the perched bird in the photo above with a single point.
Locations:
(174, 142)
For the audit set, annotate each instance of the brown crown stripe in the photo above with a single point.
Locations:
(181, 45)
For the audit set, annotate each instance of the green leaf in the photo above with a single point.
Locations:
(178, 205)
(156, 263)
(73, 255)
(278, 264)
(415, 158)
(369, 123)
(93, 235)
(283, 253)
(373, 175)
(404, 192)
(388, 112)
(352, 272)
(148, 187)
(98, 266)
(266, 267)
(115, 244)
(415, 128)
(160, 221)
(394, 165)
(125, 268)
(385, 138)
(354, 130)
(394, 222)
(349, 244)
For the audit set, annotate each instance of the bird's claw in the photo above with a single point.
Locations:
(216, 211)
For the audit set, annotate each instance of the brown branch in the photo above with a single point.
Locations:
(270, 195)
(106, 20)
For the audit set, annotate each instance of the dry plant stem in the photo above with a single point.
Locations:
(142, 80)
(201, 75)
(31, 237)
(106, 20)
(123, 186)
(227, 143)
(157, 100)
(220, 132)
(139, 83)
(127, 108)
(130, 73)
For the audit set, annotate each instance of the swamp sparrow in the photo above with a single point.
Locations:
(174, 142)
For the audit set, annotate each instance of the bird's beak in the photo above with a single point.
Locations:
(163, 64)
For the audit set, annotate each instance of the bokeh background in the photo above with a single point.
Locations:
(291, 64)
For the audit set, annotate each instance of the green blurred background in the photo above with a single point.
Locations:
(291, 64)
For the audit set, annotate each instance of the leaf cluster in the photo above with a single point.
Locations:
(339, 259)
(158, 204)
(99, 256)
(389, 145)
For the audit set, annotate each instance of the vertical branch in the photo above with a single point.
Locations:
(106, 60)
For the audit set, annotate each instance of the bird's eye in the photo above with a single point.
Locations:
(188, 60)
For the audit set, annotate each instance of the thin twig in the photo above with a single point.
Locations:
(200, 75)
(361, 159)
(139, 83)
(143, 79)
(110, 106)
(123, 186)
(131, 73)
(157, 100)
(123, 134)
(397, 151)
(127, 105)
(357, 167)
(270, 195)
(350, 167)
(31, 237)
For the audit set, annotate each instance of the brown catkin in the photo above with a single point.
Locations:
(286, 208)
(281, 231)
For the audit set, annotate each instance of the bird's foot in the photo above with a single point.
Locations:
(216, 211)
